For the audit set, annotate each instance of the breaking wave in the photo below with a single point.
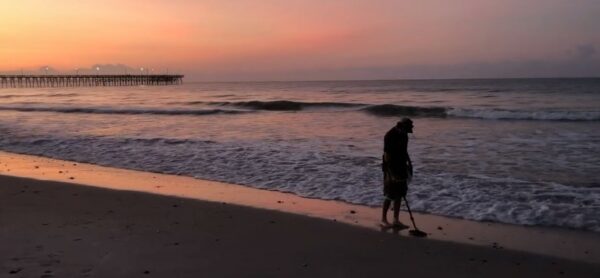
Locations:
(399, 110)
(381, 110)
(280, 105)
(501, 114)
(37, 95)
(134, 111)
(393, 110)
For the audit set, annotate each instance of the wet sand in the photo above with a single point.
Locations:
(58, 229)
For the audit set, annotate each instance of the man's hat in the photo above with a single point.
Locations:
(405, 122)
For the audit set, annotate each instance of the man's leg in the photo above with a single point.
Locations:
(386, 207)
(397, 204)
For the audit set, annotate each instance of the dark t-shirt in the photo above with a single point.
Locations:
(395, 144)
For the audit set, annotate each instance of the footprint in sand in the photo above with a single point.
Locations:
(15, 271)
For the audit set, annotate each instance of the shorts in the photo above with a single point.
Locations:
(394, 189)
(396, 177)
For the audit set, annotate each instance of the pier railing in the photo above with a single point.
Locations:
(38, 81)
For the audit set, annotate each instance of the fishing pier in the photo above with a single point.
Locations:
(42, 81)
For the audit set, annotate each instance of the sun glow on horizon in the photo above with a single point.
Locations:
(293, 36)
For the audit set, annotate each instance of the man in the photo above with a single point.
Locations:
(397, 168)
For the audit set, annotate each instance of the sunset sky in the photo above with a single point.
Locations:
(308, 39)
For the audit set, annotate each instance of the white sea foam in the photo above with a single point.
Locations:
(331, 175)
(509, 200)
(541, 115)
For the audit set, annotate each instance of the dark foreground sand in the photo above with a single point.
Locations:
(54, 229)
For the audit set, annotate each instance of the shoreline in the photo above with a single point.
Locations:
(561, 243)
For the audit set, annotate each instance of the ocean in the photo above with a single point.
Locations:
(520, 151)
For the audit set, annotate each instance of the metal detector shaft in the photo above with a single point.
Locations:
(410, 213)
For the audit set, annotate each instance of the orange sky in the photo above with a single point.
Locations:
(226, 39)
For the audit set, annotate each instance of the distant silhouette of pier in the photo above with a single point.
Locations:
(41, 81)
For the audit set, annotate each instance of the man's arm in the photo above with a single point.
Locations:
(410, 168)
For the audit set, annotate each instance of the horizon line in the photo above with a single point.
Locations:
(397, 79)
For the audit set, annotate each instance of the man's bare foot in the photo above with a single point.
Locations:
(385, 224)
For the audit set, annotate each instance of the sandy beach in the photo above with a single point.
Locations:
(56, 220)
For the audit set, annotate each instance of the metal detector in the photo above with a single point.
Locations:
(415, 232)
